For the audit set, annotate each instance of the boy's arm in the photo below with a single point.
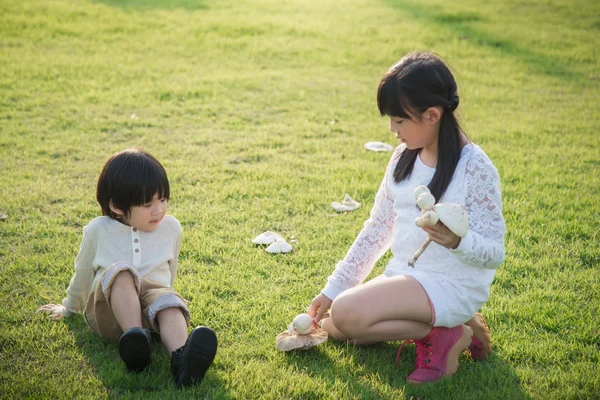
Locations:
(176, 249)
(81, 284)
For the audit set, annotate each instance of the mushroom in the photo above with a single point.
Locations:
(427, 218)
(287, 341)
(348, 204)
(426, 201)
(378, 146)
(419, 190)
(280, 246)
(267, 237)
(300, 335)
(453, 215)
(302, 324)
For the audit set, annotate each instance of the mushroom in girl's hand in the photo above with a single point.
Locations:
(453, 215)
(267, 237)
(302, 324)
(426, 201)
(348, 204)
(427, 218)
(420, 190)
(300, 335)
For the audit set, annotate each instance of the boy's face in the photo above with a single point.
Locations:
(145, 217)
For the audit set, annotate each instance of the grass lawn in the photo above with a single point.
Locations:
(259, 111)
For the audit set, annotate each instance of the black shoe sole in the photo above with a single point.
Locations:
(135, 349)
(198, 355)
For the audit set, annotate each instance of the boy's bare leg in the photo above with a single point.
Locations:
(124, 301)
(173, 328)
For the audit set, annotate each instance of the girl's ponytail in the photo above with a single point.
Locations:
(448, 152)
(419, 81)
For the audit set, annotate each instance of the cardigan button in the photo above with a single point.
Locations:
(135, 229)
(136, 240)
(137, 250)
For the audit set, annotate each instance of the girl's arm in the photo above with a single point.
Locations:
(372, 241)
(484, 244)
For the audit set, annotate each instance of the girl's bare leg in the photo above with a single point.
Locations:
(389, 309)
(334, 333)
(173, 328)
(124, 301)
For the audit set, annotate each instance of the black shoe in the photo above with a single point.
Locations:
(190, 362)
(135, 348)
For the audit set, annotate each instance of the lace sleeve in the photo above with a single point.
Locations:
(371, 243)
(484, 244)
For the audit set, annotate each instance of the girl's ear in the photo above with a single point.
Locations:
(114, 209)
(432, 115)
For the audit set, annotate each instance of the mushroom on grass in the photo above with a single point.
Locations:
(453, 215)
(300, 335)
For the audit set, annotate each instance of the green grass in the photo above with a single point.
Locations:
(238, 99)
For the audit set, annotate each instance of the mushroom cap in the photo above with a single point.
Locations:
(430, 217)
(378, 146)
(454, 216)
(426, 201)
(267, 237)
(348, 204)
(302, 324)
(419, 190)
(287, 340)
(280, 246)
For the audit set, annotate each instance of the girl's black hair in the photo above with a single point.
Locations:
(130, 178)
(412, 85)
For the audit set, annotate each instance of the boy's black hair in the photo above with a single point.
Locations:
(130, 178)
(412, 85)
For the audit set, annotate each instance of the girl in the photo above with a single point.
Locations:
(430, 303)
(126, 267)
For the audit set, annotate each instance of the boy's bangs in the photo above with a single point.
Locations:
(151, 181)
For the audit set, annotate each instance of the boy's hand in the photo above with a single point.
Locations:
(319, 307)
(55, 311)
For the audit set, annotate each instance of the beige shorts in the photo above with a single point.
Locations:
(153, 297)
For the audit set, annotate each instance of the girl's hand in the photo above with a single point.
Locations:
(443, 236)
(55, 311)
(319, 307)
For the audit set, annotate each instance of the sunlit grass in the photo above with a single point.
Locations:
(259, 111)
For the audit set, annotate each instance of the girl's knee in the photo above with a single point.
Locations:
(332, 331)
(343, 317)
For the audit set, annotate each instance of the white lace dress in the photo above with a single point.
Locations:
(456, 281)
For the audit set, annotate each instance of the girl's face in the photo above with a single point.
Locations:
(416, 135)
(145, 217)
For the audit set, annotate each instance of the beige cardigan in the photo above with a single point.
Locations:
(107, 241)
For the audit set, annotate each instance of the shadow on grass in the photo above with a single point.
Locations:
(460, 24)
(490, 379)
(156, 4)
(156, 381)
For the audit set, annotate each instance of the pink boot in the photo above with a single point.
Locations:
(437, 353)
(481, 345)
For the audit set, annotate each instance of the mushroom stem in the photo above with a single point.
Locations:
(415, 257)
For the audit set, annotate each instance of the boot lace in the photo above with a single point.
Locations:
(424, 351)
